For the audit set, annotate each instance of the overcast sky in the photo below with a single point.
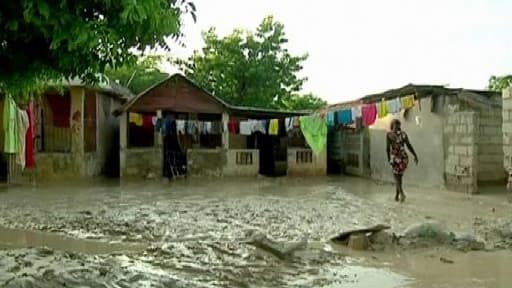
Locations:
(365, 46)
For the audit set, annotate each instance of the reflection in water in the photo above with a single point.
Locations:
(17, 238)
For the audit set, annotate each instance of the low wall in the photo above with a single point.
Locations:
(206, 162)
(303, 162)
(51, 166)
(140, 162)
(242, 162)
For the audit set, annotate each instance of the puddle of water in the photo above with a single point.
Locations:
(18, 238)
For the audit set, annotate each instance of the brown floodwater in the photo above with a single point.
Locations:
(18, 238)
(190, 217)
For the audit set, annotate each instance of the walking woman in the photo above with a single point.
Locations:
(396, 140)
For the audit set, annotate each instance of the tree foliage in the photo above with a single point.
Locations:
(250, 68)
(498, 83)
(138, 76)
(44, 40)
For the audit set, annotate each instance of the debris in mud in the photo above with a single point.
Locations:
(280, 250)
(359, 239)
(497, 233)
(445, 260)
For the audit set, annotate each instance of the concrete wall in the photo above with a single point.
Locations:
(317, 166)
(461, 165)
(206, 162)
(141, 162)
(427, 139)
(241, 167)
(221, 162)
(507, 133)
(490, 146)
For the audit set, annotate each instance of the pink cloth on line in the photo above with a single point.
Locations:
(369, 113)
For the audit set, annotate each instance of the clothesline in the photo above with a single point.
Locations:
(368, 113)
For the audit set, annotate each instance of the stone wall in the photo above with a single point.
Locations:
(461, 132)
(507, 133)
(490, 146)
(141, 162)
(303, 162)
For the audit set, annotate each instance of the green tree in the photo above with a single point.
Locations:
(47, 40)
(249, 68)
(138, 76)
(498, 83)
(304, 102)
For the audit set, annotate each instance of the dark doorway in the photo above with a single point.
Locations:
(174, 158)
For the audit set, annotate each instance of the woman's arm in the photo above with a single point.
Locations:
(409, 146)
(388, 147)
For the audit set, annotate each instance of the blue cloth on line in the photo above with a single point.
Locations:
(330, 119)
(345, 116)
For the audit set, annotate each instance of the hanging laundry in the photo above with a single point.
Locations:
(233, 126)
(30, 161)
(314, 129)
(330, 119)
(191, 127)
(288, 124)
(136, 119)
(11, 143)
(407, 102)
(369, 113)
(259, 126)
(356, 113)
(61, 109)
(169, 126)
(180, 126)
(344, 116)
(23, 125)
(216, 127)
(394, 105)
(273, 128)
(207, 128)
(246, 127)
(383, 109)
(154, 120)
(147, 121)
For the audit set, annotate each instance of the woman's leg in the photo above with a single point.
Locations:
(398, 185)
(401, 189)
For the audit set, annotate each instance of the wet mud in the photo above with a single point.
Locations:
(195, 233)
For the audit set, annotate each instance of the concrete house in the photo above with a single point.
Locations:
(76, 135)
(144, 151)
(456, 132)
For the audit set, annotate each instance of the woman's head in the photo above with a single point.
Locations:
(395, 125)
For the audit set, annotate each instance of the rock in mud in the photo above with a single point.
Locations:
(429, 231)
(468, 242)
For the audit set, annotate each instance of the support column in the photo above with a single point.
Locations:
(225, 131)
(77, 129)
(123, 142)
(158, 136)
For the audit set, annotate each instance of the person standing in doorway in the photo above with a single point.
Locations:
(396, 141)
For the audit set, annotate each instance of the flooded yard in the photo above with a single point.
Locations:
(195, 233)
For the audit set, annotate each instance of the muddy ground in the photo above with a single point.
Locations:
(195, 234)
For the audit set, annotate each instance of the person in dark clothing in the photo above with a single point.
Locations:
(396, 141)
